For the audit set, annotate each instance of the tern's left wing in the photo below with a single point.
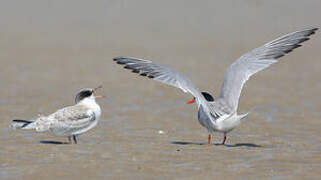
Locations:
(256, 60)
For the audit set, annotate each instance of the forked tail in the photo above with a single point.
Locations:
(243, 115)
(20, 123)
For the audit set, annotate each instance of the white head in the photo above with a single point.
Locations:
(87, 94)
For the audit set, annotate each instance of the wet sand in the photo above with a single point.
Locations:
(50, 50)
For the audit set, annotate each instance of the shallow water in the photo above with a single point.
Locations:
(51, 49)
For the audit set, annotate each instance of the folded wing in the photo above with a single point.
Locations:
(73, 117)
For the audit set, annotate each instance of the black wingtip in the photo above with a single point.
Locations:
(117, 58)
(127, 66)
(313, 30)
(135, 71)
(127, 59)
(23, 122)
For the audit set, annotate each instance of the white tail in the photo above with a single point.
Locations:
(243, 115)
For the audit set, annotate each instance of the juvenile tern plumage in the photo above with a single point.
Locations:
(221, 114)
(69, 121)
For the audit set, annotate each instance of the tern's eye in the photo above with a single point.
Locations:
(87, 93)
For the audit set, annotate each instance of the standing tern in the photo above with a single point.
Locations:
(220, 115)
(69, 121)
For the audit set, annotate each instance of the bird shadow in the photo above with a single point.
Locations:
(186, 143)
(216, 144)
(243, 145)
(54, 142)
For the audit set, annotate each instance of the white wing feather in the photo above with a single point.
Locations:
(256, 60)
(159, 73)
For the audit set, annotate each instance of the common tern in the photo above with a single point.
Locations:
(69, 121)
(220, 115)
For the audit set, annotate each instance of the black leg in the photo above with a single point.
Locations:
(69, 140)
(75, 139)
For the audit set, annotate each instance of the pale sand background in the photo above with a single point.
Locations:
(51, 49)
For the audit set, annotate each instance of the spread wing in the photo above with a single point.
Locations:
(256, 60)
(159, 73)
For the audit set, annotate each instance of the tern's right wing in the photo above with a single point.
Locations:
(77, 116)
(159, 73)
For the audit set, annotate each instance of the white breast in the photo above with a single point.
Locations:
(91, 103)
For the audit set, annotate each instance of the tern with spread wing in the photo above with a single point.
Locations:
(220, 115)
(69, 121)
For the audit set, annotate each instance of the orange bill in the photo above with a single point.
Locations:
(191, 101)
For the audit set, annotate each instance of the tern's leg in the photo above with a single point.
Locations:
(75, 139)
(209, 139)
(224, 139)
(69, 140)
